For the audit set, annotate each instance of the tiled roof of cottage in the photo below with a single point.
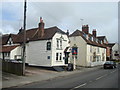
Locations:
(32, 34)
(80, 33)
(111, 44)
(6, 37)
(8, 48)
(101, 37)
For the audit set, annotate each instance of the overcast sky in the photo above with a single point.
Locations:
(102, 16)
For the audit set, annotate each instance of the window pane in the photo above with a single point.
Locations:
(48, 45)
(60, 56)
(57, 56)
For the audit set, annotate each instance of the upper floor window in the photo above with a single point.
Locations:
(48, 45)
(59, 43)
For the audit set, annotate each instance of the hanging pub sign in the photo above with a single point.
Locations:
(74, 51)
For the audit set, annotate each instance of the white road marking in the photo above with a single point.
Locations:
(101, 77)
(91, 81)
(80, 85)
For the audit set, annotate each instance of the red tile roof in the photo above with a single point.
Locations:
(8, 48)
(80, 33)
(6, 37)
(32, 34)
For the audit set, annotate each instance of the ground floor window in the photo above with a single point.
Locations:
(91, 58)
(58, 56)
(103, 57)
(7, 54)
(98, 58)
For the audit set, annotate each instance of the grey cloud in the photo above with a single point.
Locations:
(67, 16)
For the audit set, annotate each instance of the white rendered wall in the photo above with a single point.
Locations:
(36, 53)
(14, 52)
(90, 55)
(115, 48)
(82, 48)
(65, 44)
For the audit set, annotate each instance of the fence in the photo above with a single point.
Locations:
(14, 67)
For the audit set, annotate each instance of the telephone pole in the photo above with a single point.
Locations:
(24, 37)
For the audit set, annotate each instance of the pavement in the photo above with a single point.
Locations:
(35, 74)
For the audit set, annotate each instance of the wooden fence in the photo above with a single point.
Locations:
(15, 67)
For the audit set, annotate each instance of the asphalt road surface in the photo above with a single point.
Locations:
(100, 78)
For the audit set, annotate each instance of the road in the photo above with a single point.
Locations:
(99, 78)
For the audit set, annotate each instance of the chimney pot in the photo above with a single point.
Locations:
(41, 28)
(94, 32)
(67, 32)
(85, 29)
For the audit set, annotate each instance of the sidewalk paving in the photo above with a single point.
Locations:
(34, 74)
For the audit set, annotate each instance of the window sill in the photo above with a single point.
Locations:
(59, 49)
(59, 61)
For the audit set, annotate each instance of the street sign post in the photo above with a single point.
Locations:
(74, 55)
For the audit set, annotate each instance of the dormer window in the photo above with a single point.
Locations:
(84, 35)
(90, 38)
(94, 39)
(10, 42)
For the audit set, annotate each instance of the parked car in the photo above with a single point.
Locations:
(109, 64)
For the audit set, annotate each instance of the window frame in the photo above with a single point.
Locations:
(48, 47)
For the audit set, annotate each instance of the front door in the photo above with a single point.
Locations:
(66, 57)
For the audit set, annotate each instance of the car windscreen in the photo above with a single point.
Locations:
(108, 62)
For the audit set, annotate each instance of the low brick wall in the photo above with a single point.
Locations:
(12, 67)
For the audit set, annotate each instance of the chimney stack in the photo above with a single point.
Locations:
(67, 32)
(20, 30)
(41, 28)
(94, 32)
(85, 29)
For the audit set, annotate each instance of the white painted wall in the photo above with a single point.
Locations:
(85, 55)
(115, 48)
(82, 48)
(36, 53)
(55, 50)
(99, 60)
(16, 52)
